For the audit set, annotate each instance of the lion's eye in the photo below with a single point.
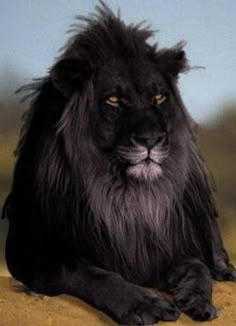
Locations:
(113, 101)
(159, 99)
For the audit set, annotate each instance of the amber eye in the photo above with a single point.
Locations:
(159, 99)
(112, 100)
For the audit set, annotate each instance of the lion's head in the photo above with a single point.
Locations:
(125, 89)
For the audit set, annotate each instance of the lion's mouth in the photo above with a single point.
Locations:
(144, 163)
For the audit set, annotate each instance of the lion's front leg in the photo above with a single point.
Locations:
(125, 302)
(191, 284)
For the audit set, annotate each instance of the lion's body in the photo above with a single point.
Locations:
(91, 209)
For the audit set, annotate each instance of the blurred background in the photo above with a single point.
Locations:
(33, 31)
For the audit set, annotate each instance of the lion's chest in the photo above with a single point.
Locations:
(130, 237)
(131, 229)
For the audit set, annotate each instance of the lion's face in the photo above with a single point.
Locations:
(132, 106)
(134, 112)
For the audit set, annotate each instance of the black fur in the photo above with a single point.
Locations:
(86, 218)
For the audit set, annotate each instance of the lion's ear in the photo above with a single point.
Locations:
(67, 75)
(173, 61)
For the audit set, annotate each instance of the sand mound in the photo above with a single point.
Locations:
(20, 309)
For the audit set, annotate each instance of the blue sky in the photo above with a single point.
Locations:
(32, 31)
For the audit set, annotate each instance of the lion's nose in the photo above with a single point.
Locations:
(148, 141)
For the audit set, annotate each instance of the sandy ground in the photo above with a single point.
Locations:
(20, 309)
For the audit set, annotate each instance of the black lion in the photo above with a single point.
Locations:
(110, 192)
